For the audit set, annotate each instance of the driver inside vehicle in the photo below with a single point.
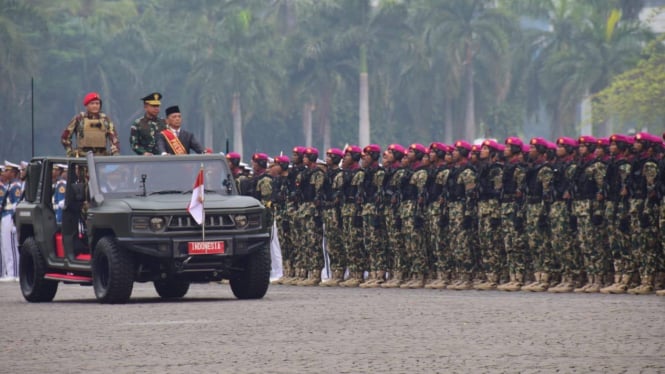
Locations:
(114, 178)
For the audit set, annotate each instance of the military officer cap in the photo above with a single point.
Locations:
(11, 166)
(153, 99)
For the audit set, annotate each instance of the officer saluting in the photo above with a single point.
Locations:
(144, 130)
(93, 131)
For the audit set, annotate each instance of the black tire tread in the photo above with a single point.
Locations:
(253, 281)
(32, 267)
(120, 283)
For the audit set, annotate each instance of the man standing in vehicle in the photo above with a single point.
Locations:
(173, 140)
(144, 131)
(93, 129)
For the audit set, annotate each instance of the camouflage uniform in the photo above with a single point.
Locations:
(396, 257)
(436, 219)
(332, 221)
(563, 226)
(490, 180)
(617, 216)
(309, 215)
(93, 133)
(293, 224)
(356, 257)
(512, 223)
(411, 212)
(279, 198)
(589, 181)
(643, 213)
(462, 210)
(373, 223)
(539, 196)
(143, 134)
(263, 193)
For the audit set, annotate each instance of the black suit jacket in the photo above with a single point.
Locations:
(186, 138)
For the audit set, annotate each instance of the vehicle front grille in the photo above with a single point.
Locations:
(212, 221)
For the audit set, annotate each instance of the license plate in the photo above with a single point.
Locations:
(205, 248)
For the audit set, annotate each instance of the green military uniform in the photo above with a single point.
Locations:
(94, 132)
(144, 131)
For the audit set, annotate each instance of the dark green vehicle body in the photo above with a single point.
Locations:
(141, 231)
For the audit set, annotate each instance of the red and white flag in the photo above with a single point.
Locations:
(195, 207)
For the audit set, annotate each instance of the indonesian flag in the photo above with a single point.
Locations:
(195, 207)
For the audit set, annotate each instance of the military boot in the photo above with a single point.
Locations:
(565, 286)
(596, 285)
(355, 278)
(583, 288)
(395, 280)
(464, 284)
(418, 281)
(313, 279)
(516, 285)
(285, 271)
(544, 283)
(380, 278)
(294, 278)
(503, 286)
(408, 282)
(615, 284)
(529, 287)
(489, 284)
(433, 281)
(333, 281)
(660, 292)
(645, 288)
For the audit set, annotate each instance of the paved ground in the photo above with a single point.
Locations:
(320, 330)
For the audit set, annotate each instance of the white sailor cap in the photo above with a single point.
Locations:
(61, 166)
(11, 165)
(23, 165)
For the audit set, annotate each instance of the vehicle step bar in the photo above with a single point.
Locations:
(68, 278)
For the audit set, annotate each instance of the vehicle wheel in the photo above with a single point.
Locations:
(32, 268)
(112, 272)
(253, 281)
(171, 288)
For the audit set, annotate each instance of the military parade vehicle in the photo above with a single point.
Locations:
(125, 219)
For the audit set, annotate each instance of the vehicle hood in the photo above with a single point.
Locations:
(178, 201)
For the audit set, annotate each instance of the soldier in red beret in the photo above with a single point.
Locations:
(332, 217)
(352, 223)
(94, 131)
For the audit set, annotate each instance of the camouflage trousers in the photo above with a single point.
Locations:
(618, 235)
(413, 231)
(436, 230)
(538, 237)
(644, 236)
(513, 237)
(565, 252)
(293, 235)
(352, 230)
(284, 235)
(461, 242)
(588, 237)
(311, 236)
(374, 237)
(395, 253)
(332, 222)
(490, 238)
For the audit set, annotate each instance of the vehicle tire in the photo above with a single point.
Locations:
(171, 288)
(112, 272)
(253, 281)
(32, 267)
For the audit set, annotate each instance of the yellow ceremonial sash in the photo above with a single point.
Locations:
(174, 142)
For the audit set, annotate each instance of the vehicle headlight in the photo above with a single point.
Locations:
(157, 223)
(241, 221)
(140, 223)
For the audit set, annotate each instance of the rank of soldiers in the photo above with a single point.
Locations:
(579, 215)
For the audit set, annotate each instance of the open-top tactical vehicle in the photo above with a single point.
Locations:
(125, 220)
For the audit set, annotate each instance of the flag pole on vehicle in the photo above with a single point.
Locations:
(195, 207)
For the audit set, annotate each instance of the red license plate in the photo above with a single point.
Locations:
(205, 248)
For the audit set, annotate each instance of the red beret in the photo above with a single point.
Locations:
(260, 157)
(90, 97)
(513, 140)
(418, 147)
(603, 142)
(335, 152)
(492, 144)
(587, 139)
(439, 147)
(352, 149)
(282, 159)
(233, 155)
(299, 149)
(538, 141)
(645, 136)
(372, 148)
(463, 144)
(620, 138)
(311, 151)
(551, 145)
(564, 140)
(397, 148)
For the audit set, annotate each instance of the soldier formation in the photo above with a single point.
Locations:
(575, 215)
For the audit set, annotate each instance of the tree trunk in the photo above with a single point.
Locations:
(307, 109)
(363, 125)
(470, 115)
(448, 121)
(236, 110)
(207, 128)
